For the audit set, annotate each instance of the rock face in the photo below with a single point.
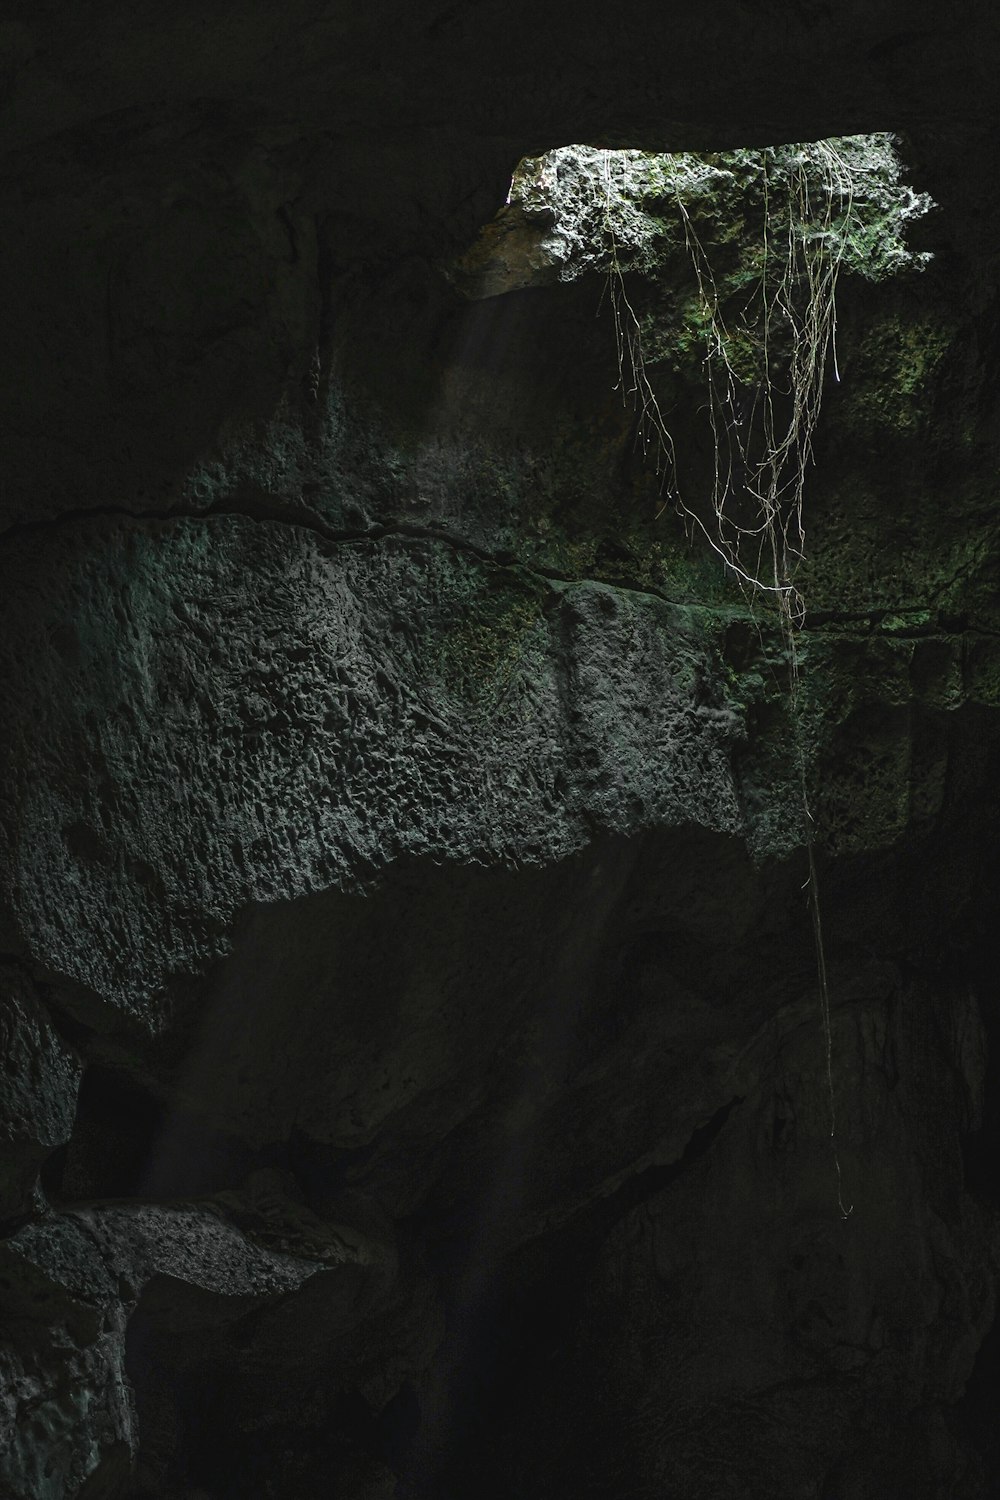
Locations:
(41, 1081)
(415, 1082)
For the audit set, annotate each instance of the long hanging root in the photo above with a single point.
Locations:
(801, 262)
(816, 913)
(633, 381)
(824, 1000)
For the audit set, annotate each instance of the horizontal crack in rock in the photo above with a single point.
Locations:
(267, 513)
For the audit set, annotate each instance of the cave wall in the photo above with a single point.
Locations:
(414, 1077)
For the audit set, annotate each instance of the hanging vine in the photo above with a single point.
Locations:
(723, 269)
(765, 365)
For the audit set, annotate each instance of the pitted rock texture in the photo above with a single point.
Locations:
(41, 1077)
(319, 713)
(71, 1287)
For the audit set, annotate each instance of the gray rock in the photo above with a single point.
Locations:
(40, 1076)
(257, 717)
(70, 1284)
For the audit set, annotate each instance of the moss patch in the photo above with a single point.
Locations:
(898, 360)
(496, 639)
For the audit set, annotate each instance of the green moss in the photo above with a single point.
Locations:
(490, 646)
(906, 624)
(982, 671)
(897, 363)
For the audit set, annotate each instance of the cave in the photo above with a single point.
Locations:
(493, 1002)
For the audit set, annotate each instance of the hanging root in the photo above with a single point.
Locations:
(769, 448)
(816, 913)
(793, 330)
(824, 1001)
(633, 381)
